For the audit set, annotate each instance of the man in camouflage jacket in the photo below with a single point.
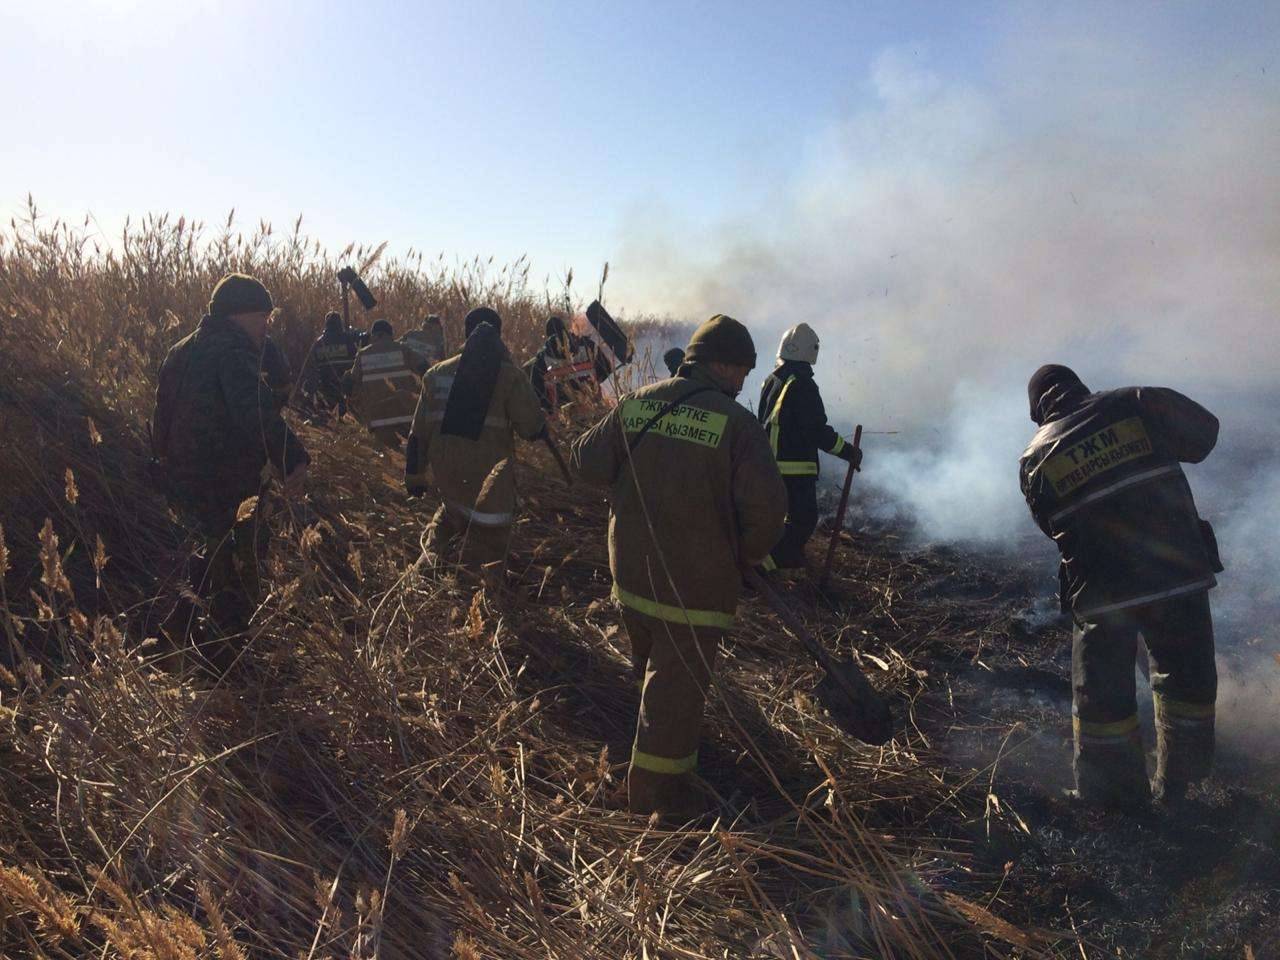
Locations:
(216, 426)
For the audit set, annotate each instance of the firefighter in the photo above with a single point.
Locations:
(470, 408)
(567, 367)
(330, 359)
(427, 340)
(792, 412)
(673, 358)
(1102, 477)
(215, 427)
(694, 493)
(383, 385)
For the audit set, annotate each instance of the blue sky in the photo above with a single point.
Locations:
(473, 128)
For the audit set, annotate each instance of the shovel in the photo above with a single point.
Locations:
(852, 702)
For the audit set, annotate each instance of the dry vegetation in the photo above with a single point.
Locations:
(400, 766)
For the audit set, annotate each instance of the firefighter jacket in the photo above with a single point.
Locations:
(475, 478)
(796, 421)
(1102, 478)
(565, 368)
(216, 424)
(691, 498)
(429, 344)
(331, 357)
(384, 384)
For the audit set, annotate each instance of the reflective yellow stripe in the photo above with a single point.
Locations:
(775, 427)
(1181, 708)
(1119, 728)
(663, 611)
(838, 446)
(797, 468)
(656, 764)
(769, 564)
(788, 468)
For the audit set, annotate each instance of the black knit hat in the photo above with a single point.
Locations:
(673, 358)
(236, 293)
(721, 339)
(555, 326)
(1051, 386)
(482, 315)
(382, 326)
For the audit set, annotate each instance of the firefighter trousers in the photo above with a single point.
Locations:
(802, 520)
(456, 538)
(673, 664)
(1110, 765)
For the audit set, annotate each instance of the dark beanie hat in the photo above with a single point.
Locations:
(482, 315)
(382, 326)
(1048, 386)
(721, 339)
(673, 358)
(236, 293)
(555, 326)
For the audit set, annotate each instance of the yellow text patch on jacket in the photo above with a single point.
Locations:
(1105, 450)
(694, 424)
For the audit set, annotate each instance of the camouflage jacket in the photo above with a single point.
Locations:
(216, 423)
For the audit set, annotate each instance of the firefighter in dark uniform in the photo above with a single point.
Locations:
(332, 356)
(672, 360)
(567, 367)
(1102, 477)
(793, 415)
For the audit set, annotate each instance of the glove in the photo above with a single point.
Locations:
(852, 454)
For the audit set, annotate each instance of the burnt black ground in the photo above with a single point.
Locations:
(1203, 882)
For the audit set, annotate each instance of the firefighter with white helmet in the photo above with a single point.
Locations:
(795, 419)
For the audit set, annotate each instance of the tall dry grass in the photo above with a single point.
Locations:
(399, 765)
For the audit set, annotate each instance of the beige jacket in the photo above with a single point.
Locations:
(476, 478)
(699, 494)
(384, 384)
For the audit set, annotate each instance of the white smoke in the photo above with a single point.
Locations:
(1102, 197)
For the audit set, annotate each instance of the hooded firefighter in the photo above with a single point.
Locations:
(796, 422)
(472, 405)
(694, 492)
(1103, 478)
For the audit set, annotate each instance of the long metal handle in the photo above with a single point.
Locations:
(559, 458)
(849, 676)
(844, 504)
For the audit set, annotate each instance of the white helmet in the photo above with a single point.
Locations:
(799, 343)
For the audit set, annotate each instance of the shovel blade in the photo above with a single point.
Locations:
(854, 705)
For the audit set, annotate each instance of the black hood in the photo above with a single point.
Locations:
(1053, 392)
(473, 384)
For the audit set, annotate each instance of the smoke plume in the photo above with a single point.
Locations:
(1102, 197)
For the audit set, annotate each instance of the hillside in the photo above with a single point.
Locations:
(409, 766)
